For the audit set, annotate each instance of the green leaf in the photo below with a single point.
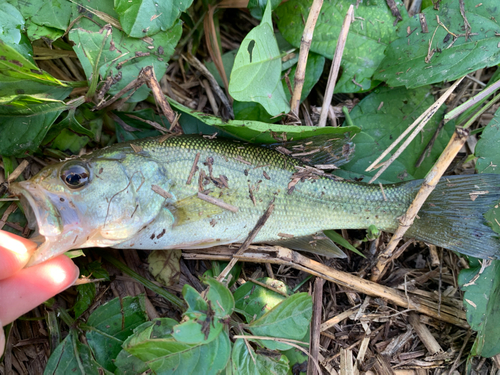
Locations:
(289, 320)
(72, 357)
(407, 62)
(165, 355)
(482, 285)
(487, 150)
(165, 266)
(204, 319)
(256, 73)
(112, 323)
(54, 13)
(383, 116)
(29, 105)
(23, 135)
(138, 126)
(122, 57)
(258, 7)
(147, 17)
(254, 300)
(15, 65)
(481, 299)
(36, 32)
(85, 297)
(221, 298)
(338, 239)
(260, 132)
(244, 362)
(367, 40)
(314, 69)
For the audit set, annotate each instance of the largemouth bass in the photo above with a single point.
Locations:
(147, 194)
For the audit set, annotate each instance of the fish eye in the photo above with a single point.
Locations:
(75, 175)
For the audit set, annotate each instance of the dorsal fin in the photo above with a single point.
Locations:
(319, 151)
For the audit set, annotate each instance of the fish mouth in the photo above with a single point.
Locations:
(40, 212)
(56, 224)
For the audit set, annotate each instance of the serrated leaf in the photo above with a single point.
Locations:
(71, 356)
(256, 74)
(367, 40)
(383, 116)
(260, 132)
(116, 320)
(122, 57)
(244, 362)
(255, 300)
(289, 320)
(167, 356)
(142, 18)
(407, 61)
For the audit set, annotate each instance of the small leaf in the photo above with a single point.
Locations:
(165, 266)
(338, 239)
(256, 74)
(289, 320)
(244, 362)
(221, 297)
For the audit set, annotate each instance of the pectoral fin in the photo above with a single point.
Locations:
(317, 244)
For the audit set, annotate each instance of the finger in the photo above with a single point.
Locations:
(31, 286)
(14, 253)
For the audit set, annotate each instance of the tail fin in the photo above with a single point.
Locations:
(453, 215)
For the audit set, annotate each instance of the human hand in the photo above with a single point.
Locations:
(22, 289)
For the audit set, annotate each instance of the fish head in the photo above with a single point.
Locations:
(90, 201)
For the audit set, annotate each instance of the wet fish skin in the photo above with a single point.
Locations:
(117, 207)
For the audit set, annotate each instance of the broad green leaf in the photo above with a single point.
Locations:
(29, 105)
(260, 132)
(11, 26)
(70, 142)
(53, 13)
(36, 32)
(244, 362)
(11, 86)
(140, 18)
(407, 61)
(86, 292)
(112, 323)
(252, 111)
(255, 300)
(289, 319)
(487, 150)
(122, 57)
(369, 35)
(256, 72)
(24, 135)
(383, 116)
(167, 356)
(15, 65)
(72, 357)
(482, 286)
(481, 299)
